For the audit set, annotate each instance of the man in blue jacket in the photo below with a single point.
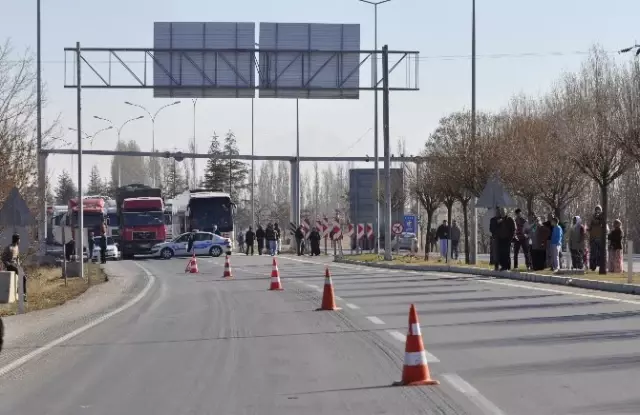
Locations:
(556, 243)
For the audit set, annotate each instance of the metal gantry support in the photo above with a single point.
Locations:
(142, 82)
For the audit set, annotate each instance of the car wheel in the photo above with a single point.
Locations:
(215, 251)
(166, 253)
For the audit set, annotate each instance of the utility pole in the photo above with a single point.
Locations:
(474, 201)
(387, 153)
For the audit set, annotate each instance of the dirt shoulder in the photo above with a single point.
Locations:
(28, 331)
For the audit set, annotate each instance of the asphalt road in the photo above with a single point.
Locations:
(196, 344)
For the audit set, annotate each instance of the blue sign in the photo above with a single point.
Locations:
(410, 223)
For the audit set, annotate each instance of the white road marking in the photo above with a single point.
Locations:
(338, 298)
(375, 320)
(402, 338)
(40, 350)
(352, 306)
(486, 406)
(551, 290)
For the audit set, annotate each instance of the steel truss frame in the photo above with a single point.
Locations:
(178, 155)
(114, 58)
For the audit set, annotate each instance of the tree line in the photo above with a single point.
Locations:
(563, 152)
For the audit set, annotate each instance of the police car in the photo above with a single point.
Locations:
(204, 243)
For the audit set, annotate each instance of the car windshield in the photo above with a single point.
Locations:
(98, 239)
(143, 218)
(90, 220)
(208, 212)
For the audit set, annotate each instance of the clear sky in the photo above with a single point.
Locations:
(522, 47)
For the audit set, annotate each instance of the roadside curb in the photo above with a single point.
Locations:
(569, 281)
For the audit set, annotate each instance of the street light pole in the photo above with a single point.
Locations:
(153, 132)
(119, 139)
(474, 233)
(376, 163)
(42, 183)
(193, 161)
(253, 175)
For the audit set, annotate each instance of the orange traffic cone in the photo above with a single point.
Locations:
(416, 370)
(227, 269)
(276, 285)
(328, 299)
(192, 265)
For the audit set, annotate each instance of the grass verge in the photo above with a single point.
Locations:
(419, 260)
(46, 288)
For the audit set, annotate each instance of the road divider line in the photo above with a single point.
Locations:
(352, 306)
(402, 339)
(485, 405)
(43, 349)
(375, 320)
(551, 290)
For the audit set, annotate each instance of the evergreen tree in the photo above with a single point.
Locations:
(216, 175)
(66, 189)
(236, 170)
(95, 186)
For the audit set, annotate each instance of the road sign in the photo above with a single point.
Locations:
(369, 230)
(410, 223)
(397, 228)
(360, 233)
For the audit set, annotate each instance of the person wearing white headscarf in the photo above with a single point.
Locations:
(577, 243)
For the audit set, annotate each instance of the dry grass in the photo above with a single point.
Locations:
(46, 288)
(419, 260)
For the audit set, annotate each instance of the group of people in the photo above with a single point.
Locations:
(541, 241)
(269, 238)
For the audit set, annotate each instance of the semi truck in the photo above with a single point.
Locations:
(141, 216)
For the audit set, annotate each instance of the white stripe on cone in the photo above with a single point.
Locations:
(415, 358)
(415, 330)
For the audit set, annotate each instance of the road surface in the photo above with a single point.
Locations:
(196, 344)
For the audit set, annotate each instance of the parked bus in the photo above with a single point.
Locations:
(201, 209)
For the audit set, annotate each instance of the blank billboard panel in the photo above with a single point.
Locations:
(201, 72)
(305, 60)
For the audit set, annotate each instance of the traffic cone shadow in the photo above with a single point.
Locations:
(328, 299)
(276, 284)
(415, 371)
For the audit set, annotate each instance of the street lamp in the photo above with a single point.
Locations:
(629, 49)
(474, 233)
(119, 140)
(153, 129)
(374, 75)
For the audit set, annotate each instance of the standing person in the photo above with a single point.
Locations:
(241, 242)
(276, 229)
(555, 244)
(493, 247)
(92, 245)
(577, 241)
(103, 242)
(191, 239)
(270, 236)
(521, 240)
(596, 228)
(299, 235)
(615, 247)
(455, 240)
(549, 252)
(506, 231)
(314, 240)
(534, 246)
(216, 230)
(249, 237)
(443, 236)
(260, 238)
(11, 261)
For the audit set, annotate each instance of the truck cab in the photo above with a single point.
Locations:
(142, 225)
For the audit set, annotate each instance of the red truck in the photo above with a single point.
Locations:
(141, 212)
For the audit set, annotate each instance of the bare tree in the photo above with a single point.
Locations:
(588, 112)
(423, 186)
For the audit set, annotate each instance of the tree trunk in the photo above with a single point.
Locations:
(427, 239)
(449, 216)
(530, 200)
(465, 212)
(604, 193)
